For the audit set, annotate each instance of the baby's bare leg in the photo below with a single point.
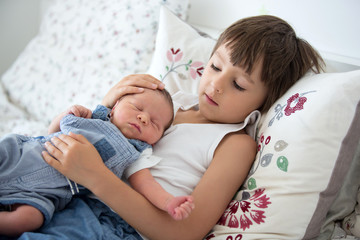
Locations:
(21, 218)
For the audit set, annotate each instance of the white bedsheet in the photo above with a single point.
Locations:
(15, 120)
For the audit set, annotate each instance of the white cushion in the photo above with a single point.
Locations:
(306, 143)
(82, 49)
(181, 54)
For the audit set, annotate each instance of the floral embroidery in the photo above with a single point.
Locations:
(264, 160)
(244, 213)
(299, 105)
(229, 237)
(294, 103)
(174, 56)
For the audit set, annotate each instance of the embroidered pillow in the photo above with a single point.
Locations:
(181, 54)
(82, 49)
(306, 144)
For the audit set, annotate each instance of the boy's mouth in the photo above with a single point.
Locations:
(210, 100)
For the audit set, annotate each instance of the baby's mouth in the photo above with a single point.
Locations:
(136, 126)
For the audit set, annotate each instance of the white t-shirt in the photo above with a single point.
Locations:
(185, 151)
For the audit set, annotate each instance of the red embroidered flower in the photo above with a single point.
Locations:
(299, 105)
(242, 214)
(245, 222)
(196, 68)
(244, 206)
(258, 216)
(174, 55)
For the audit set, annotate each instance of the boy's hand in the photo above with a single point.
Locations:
(134, 83)
(76, 158)
(180, 208)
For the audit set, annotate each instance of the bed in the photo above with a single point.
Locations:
(304, 183)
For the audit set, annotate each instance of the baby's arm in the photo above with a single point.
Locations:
(178, 207)
(76, 110)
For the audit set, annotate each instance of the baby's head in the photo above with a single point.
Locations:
(272, 42)
(144, 116)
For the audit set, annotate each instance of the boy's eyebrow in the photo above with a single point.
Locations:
(247, 74)
(248, 78)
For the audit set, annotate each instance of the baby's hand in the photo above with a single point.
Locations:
(79, 111)
(180, 208)
(76, 110)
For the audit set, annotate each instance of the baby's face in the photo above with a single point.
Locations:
(142, 116)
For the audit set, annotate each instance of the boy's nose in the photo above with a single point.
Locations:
(217, 84)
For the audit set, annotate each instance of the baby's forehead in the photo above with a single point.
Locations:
(149, 93)
(149, 96)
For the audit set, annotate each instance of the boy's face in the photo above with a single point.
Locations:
(142, 116)
(227, 93)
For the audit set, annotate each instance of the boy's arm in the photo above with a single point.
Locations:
(178, 207)
(76, 110)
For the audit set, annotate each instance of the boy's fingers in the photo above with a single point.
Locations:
(144, 80)
(51, 161)
(58, 144)
(73, 138)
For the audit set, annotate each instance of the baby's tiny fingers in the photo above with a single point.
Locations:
(188, 207)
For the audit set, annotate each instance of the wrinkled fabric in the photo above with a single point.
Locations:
(84, 218)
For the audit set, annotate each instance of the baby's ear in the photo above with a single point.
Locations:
(112, 110)
(115, 104)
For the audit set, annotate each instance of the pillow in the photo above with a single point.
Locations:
(181, 53)
(306, 144)
(82, 49)
(14, 120)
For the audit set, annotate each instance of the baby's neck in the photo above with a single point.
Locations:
(189, 116)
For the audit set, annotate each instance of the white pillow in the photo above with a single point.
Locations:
(181, 54)
(306, 143)
(82, 49)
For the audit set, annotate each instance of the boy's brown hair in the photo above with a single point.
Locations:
(268, 39)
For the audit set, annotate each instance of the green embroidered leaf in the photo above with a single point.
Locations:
(282, 163)
(167, 68)
(251, 183)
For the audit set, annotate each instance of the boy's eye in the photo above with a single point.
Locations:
(214, 67)
(237, 86)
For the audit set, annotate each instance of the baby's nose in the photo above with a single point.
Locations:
(143, 118)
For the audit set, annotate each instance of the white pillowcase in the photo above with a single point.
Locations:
(301, 162)
(82, 49)
(181, 54)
